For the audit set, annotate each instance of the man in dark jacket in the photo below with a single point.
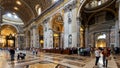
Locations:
(12, 53)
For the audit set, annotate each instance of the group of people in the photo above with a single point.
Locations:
(35, 51)
(20, 55)
(106, 55)
(12, 54)
(98, 51)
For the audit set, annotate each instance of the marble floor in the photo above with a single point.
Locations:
(50, 60)
(117, 59)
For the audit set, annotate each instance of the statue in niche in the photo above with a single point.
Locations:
(45, 28)
(70, 39)
(59, 19)
(22, 39)
(69, 18)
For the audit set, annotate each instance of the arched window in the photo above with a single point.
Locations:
(54, 1)
(95, 3)
(38, 9)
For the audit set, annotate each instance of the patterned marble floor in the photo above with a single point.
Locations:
(117, 60)
(49, 60)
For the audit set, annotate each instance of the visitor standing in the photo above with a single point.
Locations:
(33, 51)
(106, 54)
(36, 51)
(12, 53)
(97, 55)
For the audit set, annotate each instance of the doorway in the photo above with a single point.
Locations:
(10, 41)
(101, 40)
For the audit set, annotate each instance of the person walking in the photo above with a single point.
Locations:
(12, 53)
(33, 51)
(106, 54)
(36, 51)
(97, 55)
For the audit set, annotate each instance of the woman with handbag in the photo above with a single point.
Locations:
(106, 55)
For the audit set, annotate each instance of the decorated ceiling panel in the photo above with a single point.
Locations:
(25, 9)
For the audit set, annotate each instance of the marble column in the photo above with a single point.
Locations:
(48, 34)
(16, 41)
(35, 37)
(62, 40)
(31, 36)
(66, 29)
(86, 36)
(45, 35)
(26, 39)
(116, 34)
(20, 41)
(70, 25)
(78, 32)
(118, 2)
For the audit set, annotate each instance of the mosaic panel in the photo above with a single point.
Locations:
(74, 58)
(56, 59)
(21, 61)
(53, 55)
(75, 63)
(61, 66)
(45, 64)
(117, 60)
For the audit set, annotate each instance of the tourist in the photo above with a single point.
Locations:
(21, 55)
(106, 55)
(97, 55)
(33, 51)
(12, 53)
(36, 51)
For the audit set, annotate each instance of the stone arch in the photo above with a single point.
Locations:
(81, 32)
(41, 35)
(28, 38)
(57, 20)
(8, 35)
(83, 3)
(11, 25)
(106, 9)
(57, 28)
(80, 7)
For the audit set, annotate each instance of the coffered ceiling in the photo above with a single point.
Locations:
(25, 9)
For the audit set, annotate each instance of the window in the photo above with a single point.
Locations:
(54, 1)
(95, 3)
(99, 2)
(38, 9)
(102, 36)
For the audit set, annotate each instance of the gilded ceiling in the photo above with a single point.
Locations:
(25, 9)
(7, 30)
